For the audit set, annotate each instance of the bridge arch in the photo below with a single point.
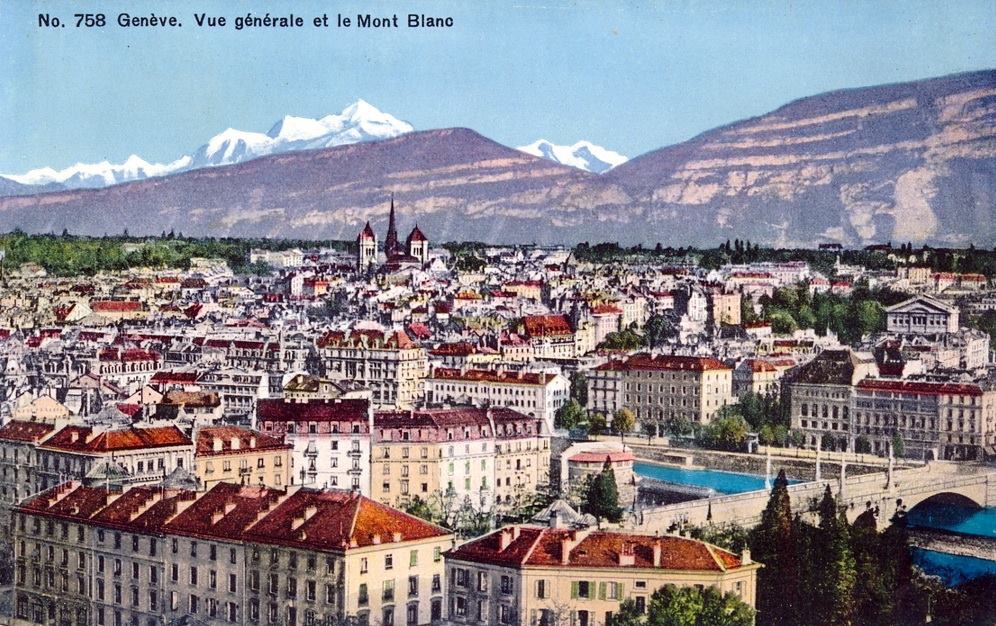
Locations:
(964, 498)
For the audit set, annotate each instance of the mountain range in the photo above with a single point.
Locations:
(911, 161)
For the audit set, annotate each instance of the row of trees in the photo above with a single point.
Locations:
(841, 574)
(68, 255)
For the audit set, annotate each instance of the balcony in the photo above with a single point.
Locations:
(355, 454)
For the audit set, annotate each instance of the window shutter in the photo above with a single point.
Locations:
(601, 591)
(574, 589)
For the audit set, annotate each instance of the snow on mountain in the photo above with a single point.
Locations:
(360, 121)
(88, 175)
(583, 155)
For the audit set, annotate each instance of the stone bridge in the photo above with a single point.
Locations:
(905, 488)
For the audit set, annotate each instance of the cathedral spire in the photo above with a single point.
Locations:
(391, 244)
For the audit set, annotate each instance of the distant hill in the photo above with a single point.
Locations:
(913, 161)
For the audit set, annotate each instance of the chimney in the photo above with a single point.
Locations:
(296, 523)
(216, 444)
(555, 521)
(396, 537)
(216, 516)
(74, 436)
(566, 544)
(252, 441)
(375, 540)
(745, 557)
(236, 443)
(657, 552)
(309, 511)
(626, 556)
(504, 539)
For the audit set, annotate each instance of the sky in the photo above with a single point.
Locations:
(631, 76)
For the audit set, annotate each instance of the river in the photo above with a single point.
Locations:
(951, 568)
(721, 482)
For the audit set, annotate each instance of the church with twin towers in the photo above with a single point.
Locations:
(413, 255)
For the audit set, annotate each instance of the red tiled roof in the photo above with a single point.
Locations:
(544, 547)
(930, 388)
(83, 439)
(547, 325)
(133, 354)
(164, 377)
(249, 441)
(115, 306)
(337, 410)
(372, 338)
(644, 361)
(338, 520)
(17, 430)
(601, 457)
(492, 376)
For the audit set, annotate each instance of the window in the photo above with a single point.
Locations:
(582, 589)
(233, 612)
(388, 592)
(541, 589)
(412, 614)
(388, 616)
(291, 587)
(437, 584)
(274, 582)
(174, 572)
(413, 558)
(437, 554)
(213, 579)
(482, 581)
(363, 565)
(460, 575)
(309, 590)
(363, 597)
(233, 583)
(388, 561)
(194, 604)
(193, 575)
(413, 586)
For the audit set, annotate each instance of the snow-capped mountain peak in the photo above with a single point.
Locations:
(583, 155)
(360, 121)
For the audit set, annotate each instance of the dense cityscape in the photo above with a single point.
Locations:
(381, 432)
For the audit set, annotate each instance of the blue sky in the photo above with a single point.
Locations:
(631, 76)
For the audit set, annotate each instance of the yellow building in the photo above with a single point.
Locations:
(552, 576)
(661, 387)
(242, 456)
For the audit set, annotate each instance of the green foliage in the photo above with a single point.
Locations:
(602, 497)
(596, 424)
(658, 329)
(850, 317)
(629, 614)
(728, 535)
(726, 432)
(671, 605)
(773, 543)
(570, 415)
(579, 388)
(623, 421)
(69, 255)
(898, 449)
(987, 324)
(627, 339)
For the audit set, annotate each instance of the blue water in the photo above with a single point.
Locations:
(952, 568)
(956, 519)
(721, 482)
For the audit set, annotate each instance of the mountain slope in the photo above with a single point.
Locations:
(454, 182)
(907, 162)
(912, 161)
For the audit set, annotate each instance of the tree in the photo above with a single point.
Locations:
(671, 605)
(623, 422)
(774, 544)
(579, 388)
(833, 561)
(898, 449)
(602, 499)
(629, 614)
(569, 415)
(726, 432)
(596, 424)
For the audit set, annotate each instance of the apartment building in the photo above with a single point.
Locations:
(820, 393)
(486, 456)
(330, 439)
(661, 387)
(552, 576)
(233, 555)
(537, 394)
(127, 455)
(935, 420)
(241, 455)
(390, 364)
